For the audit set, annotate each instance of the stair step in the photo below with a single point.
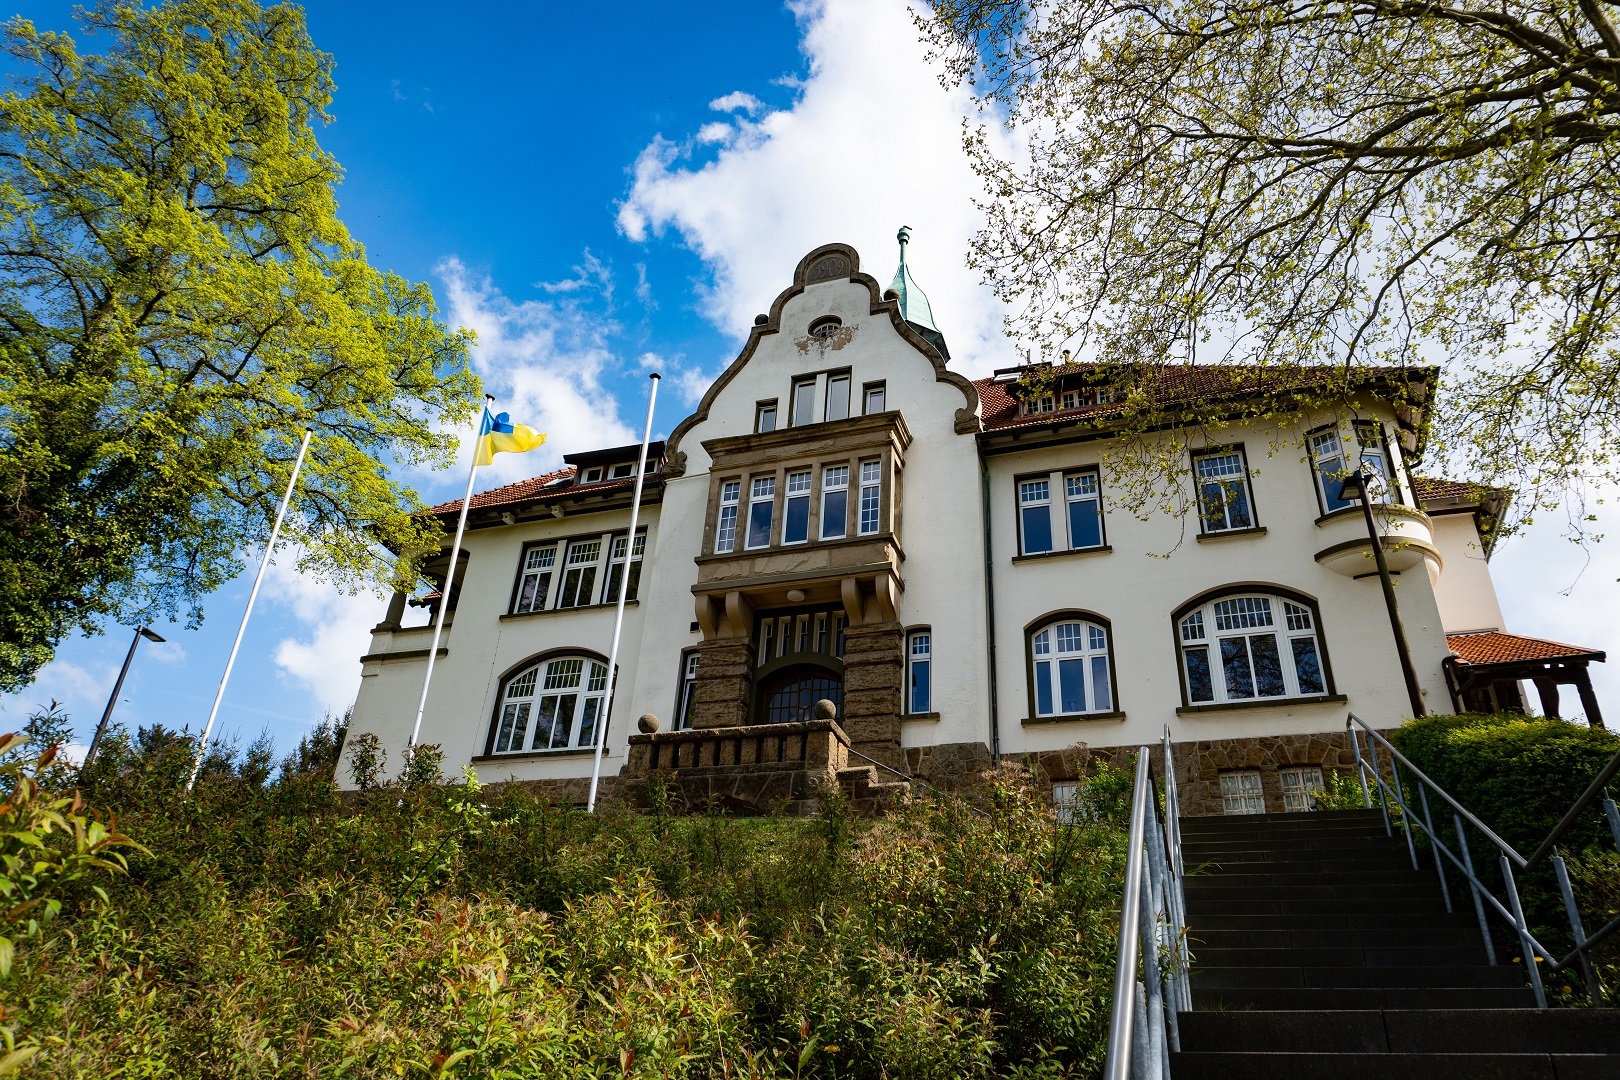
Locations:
(1360, 956)
(1338, 920)
(1249, 1066)
(1343, 905)
(1325, 846)
(1208, 941)
(1437, 1031)
(1198, 891)
(1355, 978)
(1283, 821)
(1229, 878)
(1317, 998)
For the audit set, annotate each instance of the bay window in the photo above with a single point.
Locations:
(725, 527)
(761, 506)
(1070, 669)
(871, 497)
(834, 502)
(796, 508)
(1333, 458)
(1251, 647)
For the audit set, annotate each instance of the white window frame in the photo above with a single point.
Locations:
(868, 392)
(761, 492)
(1066, 806)
(1041, 403)
(575, 569)
(1035, 492)
(524, 697)
(593, 475)
(686, 700)
(1244, 617)
(1072, 639)
(539, 567)
(1228, 481)
(762, 410)
(919, 656)
(798, 417)
(616, 560)
(796, 487)
(725, 524)
(1367, 444)
(1242, 792)
(1071, 496)
(837, 396)
(834, 479)
(870, 521)
(622, 471)
(1300, 786)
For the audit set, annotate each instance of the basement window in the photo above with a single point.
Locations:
(1300, 786)
(1240, 792)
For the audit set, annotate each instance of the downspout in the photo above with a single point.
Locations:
(990, 610)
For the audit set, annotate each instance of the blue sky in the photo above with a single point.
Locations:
(603, 191)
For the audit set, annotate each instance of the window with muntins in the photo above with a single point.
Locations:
(761, 506)
(1332, 459)
(616, 569)
(688, 694)
(1071, 669)
(919, 671)
(1243, 648)
(534, 588)
(1077, 526)
(1241, 794)
(1300, 786)
(834, 502)
(1035, 515)
(579, 573)
(796, 508)
(871, 497)
(1081, 492)
(1224, 500)
(555, 705)
(725, 527)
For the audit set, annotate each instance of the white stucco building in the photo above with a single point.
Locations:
(846, 518)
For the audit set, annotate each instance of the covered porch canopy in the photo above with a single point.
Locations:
(1486, 667)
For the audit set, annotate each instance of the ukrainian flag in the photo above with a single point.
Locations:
(498, 435)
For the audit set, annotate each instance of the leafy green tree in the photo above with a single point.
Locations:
(1337, 182)
(178, 302)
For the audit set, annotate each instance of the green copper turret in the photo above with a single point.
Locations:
(914, 306)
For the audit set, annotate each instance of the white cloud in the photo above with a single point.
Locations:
(544, 363)
(715, 133)
(82, 690)
(737, 101)
(872, 143)
(326, 662)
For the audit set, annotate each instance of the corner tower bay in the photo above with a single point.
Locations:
(845, 519)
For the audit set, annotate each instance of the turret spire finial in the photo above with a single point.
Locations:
(914, 307)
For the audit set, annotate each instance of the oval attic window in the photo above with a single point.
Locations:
(825, 327)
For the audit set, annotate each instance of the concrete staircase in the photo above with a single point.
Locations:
(1319, 953)
(871, 790)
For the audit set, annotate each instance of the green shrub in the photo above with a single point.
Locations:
(288, 930)
(1518, 774)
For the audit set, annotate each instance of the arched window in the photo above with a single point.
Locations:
(557, 704)
(1250, 647)
(1070, 671)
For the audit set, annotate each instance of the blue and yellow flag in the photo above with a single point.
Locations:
(498, 435)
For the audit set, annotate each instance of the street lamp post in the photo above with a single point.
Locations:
(1356, 489)
(106, 717)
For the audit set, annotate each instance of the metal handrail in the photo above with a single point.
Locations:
(1588, 797)
(1142, 1030)
(1513, 911)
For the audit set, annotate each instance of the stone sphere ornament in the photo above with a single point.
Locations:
(648, 723)
(824, 710)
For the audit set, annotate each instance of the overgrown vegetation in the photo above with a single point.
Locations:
(1519, 775)
(278, 929)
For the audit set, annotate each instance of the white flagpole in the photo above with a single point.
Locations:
(624, 591)
(253, 594)
(449, 577)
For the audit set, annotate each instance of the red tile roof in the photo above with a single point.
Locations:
(538, 489)
(1436, 489)
(1495, 647)
(1173, 383)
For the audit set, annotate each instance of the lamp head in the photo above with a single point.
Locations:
(1354, 488)
(151, 635)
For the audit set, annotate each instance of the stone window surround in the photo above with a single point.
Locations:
(1052, 618)
(1188, 707)
(880, 436)
(603, 568)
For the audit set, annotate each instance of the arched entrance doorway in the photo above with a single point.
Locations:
(790, 694)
